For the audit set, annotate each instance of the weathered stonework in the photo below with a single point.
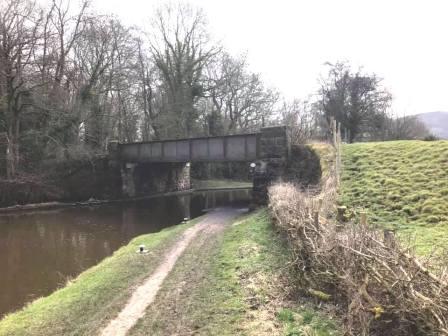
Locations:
(128, 180)
(274, 151)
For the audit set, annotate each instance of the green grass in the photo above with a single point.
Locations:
(403, 185)
(304, 322)
(247, 275)
(219, 184)
(97, 295)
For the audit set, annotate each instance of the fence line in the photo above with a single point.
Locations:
(337, 144)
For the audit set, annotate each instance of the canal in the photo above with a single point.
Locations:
(41, 251)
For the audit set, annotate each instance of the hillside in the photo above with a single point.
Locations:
(436, 122)
(404, 186)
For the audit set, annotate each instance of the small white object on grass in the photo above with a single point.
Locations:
(142, 249)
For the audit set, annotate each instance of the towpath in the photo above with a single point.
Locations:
(211, 225)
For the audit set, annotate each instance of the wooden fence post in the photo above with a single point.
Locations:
(335, 127)
(320, 203)
(389, 238)
(316, 218)
(363, 218)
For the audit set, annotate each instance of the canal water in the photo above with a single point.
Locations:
(40, 251)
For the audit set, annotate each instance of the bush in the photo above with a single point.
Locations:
(381, 287)
(27, 189)
(431, 137)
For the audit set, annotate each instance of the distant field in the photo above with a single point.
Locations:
(403, 184)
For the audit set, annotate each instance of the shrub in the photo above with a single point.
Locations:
(431, 137)
(381, 287)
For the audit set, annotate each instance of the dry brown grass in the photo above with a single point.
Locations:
(381, 287)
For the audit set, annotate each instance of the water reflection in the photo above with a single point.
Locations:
(40, 251)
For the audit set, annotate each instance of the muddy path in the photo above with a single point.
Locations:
(198, 238)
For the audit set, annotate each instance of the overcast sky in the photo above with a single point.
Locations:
(288, 41)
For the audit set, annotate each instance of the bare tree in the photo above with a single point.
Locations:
(301, 119)
(123, 113)
(239, 97)
(181, 49)
(69, 29)
(56, 61)
(405, 128)
(20, 34)
(94, 54)
(149, 94)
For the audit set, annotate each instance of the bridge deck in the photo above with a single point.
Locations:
(242, 147)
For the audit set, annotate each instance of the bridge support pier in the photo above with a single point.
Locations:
(128, 179)
(273, 151)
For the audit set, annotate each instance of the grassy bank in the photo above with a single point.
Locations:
(86, 304)
(250, 290)
(237, 284)
(326, 154)
(404, 186)
(220, 184)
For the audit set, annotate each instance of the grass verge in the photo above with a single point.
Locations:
(250, 286)
(237, 284)
(403, 185)
(220, 184)
(326, 154)
(87, 303)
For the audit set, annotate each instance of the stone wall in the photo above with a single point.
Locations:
(274, 150)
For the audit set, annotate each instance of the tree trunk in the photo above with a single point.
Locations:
(12, 149)
(12, 157)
